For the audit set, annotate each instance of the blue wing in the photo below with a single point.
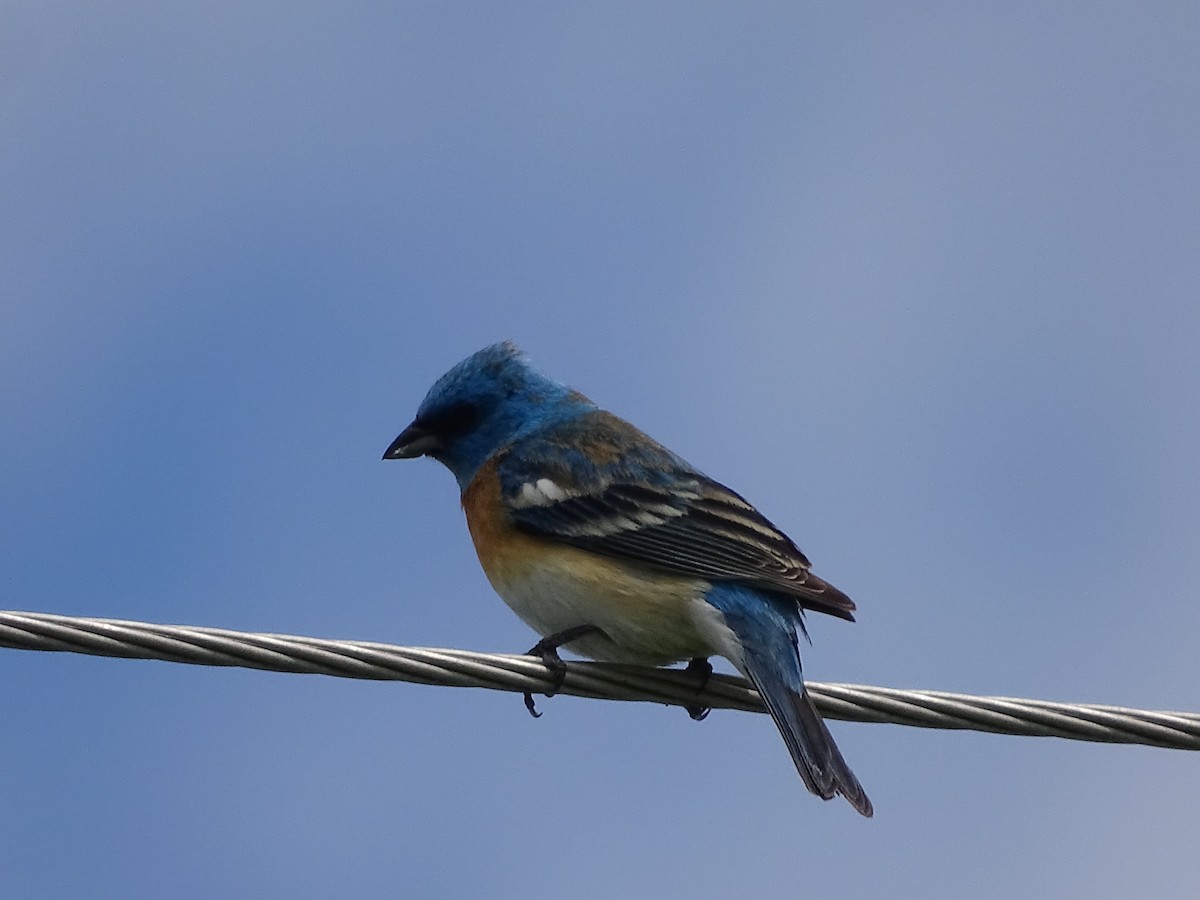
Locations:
(598, 483)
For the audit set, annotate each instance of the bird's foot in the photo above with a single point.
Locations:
(547, 651)
(702, 668)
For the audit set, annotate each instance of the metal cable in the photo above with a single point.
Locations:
(461, 668)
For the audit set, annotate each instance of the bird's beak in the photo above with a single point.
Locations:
(412, 442)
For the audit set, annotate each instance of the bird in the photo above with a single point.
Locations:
(613, 547)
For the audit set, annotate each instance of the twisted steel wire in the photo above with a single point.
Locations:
(461, 668)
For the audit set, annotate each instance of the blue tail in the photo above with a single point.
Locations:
(765, 625)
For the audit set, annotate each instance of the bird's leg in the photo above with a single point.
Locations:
(702, 668)
(547, 651)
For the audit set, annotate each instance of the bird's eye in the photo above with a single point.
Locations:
(452, 421)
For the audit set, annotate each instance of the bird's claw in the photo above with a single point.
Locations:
(546, 650)
(702, 668)
(529, 705)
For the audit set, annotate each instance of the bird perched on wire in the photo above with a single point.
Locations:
(607, 543)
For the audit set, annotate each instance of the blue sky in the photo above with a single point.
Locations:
(921, 281)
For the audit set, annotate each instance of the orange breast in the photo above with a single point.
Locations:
(505, 553)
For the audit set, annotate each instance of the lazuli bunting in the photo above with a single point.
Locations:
(607, 543)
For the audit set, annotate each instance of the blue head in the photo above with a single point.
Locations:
(485, 402)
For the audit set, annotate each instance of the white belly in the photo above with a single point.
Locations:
(645, 618)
